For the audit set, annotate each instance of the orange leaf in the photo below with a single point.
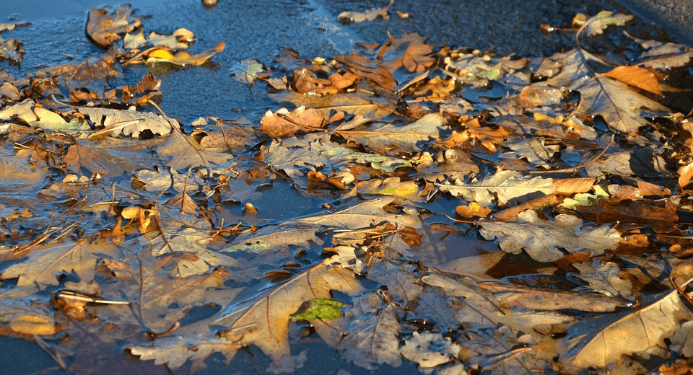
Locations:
(574, 185)
(641, 78)
(685, 174)
(507, 214)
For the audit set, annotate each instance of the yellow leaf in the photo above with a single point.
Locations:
(33, 325)
(184, 58)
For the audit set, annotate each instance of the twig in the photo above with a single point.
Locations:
(185, 191)
(611, 142)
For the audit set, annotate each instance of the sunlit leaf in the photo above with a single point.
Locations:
(542, 239)
(183, 58)
(601, 341)
(504, 185)
(105, 26)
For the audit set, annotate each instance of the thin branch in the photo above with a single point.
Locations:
(611, 142)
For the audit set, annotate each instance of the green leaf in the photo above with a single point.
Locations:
(320, 308)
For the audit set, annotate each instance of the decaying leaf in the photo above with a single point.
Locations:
(183, 58)
(105, 26)
(179, 39)
(374, 341)
(353, 16)
(504, 185)
(542, 240)
(283, 123)
(601, 341)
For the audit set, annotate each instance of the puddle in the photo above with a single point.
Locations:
(260, 30)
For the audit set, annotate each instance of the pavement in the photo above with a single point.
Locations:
(675, 15)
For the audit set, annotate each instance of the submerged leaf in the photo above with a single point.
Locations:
(542, 239)
(601, 341)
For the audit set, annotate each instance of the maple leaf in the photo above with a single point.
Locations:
(410, 52)
(601, 95)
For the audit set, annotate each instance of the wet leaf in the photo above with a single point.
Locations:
(604, 277)
(283, 123)
(266, 322)
(179, 39)
(408, 137)
(105, 26)
(34, 325)
(96, 161)
(410, 53)
(368, 213)
(354, 16)
(641, 78)
(597, 24)
(542, 239)
(185, 151)
(429, 349)
(183, 58)
(43, 266)
(610, 98)
(320, 308)
(504, 185)
(11, 49)
(374, 328)
(601, 341)
(126, 122)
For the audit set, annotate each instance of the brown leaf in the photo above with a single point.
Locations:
(10, 49)
(410, 52)
(641, 78)
(105, 26)
(509, 213)
(569, 186)
(185, 151)
(685, 174)
(473, 209)
(510, 296)
(601, 341)
(371, 70)
(79, 156)
(266, 323)
(605, 211)
(283, 123)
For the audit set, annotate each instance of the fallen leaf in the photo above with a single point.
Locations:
(601, 341)
(506, 186)
(183, 58)
(429, 349)
(542, 239)
(374, 328)
(105, 26)
(283, 123)
(641, 78)
(370, 15)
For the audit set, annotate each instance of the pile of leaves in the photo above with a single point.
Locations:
(124, 230)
